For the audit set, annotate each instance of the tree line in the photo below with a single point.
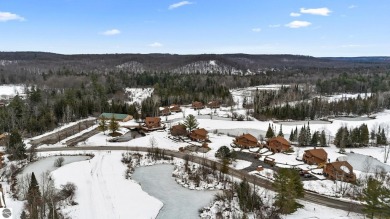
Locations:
(319, 107)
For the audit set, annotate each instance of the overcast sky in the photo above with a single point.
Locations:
(305, 27)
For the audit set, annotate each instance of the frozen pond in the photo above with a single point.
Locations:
(47, 164)
(178, 202)
(353, 118)
(294, 123)
(366, 163)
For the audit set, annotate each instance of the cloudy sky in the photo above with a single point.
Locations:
(304, 27)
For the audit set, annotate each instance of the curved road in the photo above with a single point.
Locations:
(309, 196)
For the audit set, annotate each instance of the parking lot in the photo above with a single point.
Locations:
(256, 162)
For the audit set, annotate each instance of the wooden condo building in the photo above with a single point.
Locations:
(340, 170)
(197, 105)
(167, 110)
(278, 144)
(246, 141)
(214, 104)
(179, 130)
(315, 156)
(164, 111)
(199, 135)
(175, 108)
(152, 123)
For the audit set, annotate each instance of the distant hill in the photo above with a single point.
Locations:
(203, 63)
(364, 59)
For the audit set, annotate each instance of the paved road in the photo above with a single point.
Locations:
(256, 162)
(309, 196)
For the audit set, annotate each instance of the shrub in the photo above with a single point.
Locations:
(59, 162)
(68, 190)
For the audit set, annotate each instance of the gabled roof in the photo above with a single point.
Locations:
(197, 103)
(340, 164)
(280, 139)
(320, 153)
(201, 132)
(214, 102)
(249, 137)
(116, 116)
(179, 127)
(152, 119)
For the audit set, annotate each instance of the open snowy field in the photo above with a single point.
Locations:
(136, 95)
(338, 97)
(9, 90)
(240, 94)
(103, 192)
(314, 211)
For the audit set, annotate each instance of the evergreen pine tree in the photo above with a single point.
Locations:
(103, 124)
(364, 134)
(383, 137)
(372, 135)
(270, 132)
(372, 196)
(281, 131)
(323, 138)
(289, 187)
(190, 122)
(379, 137)
(338, 137)
(314, 139)
(15, 146)
(296, 134)
(308, 134)
(355, 137)
(344, 139)
(302, 137)
(291, 138)
(33, 197)
(113, 126)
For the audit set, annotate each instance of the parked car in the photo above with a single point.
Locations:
(303, 172)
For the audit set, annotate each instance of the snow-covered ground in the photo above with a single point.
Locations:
(240, 164)
(10, 90)
(136, 95)
(240, 94)
(219, 126)
(312, 211)
(338, 97)
(103, 192)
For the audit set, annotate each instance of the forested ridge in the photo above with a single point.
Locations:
(64, 88)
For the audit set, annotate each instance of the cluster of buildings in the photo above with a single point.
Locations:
(276, 144)
(196, 105)
(338, 170)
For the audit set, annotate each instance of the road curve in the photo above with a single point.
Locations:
(309, 196)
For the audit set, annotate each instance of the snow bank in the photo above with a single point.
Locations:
(240, 164)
